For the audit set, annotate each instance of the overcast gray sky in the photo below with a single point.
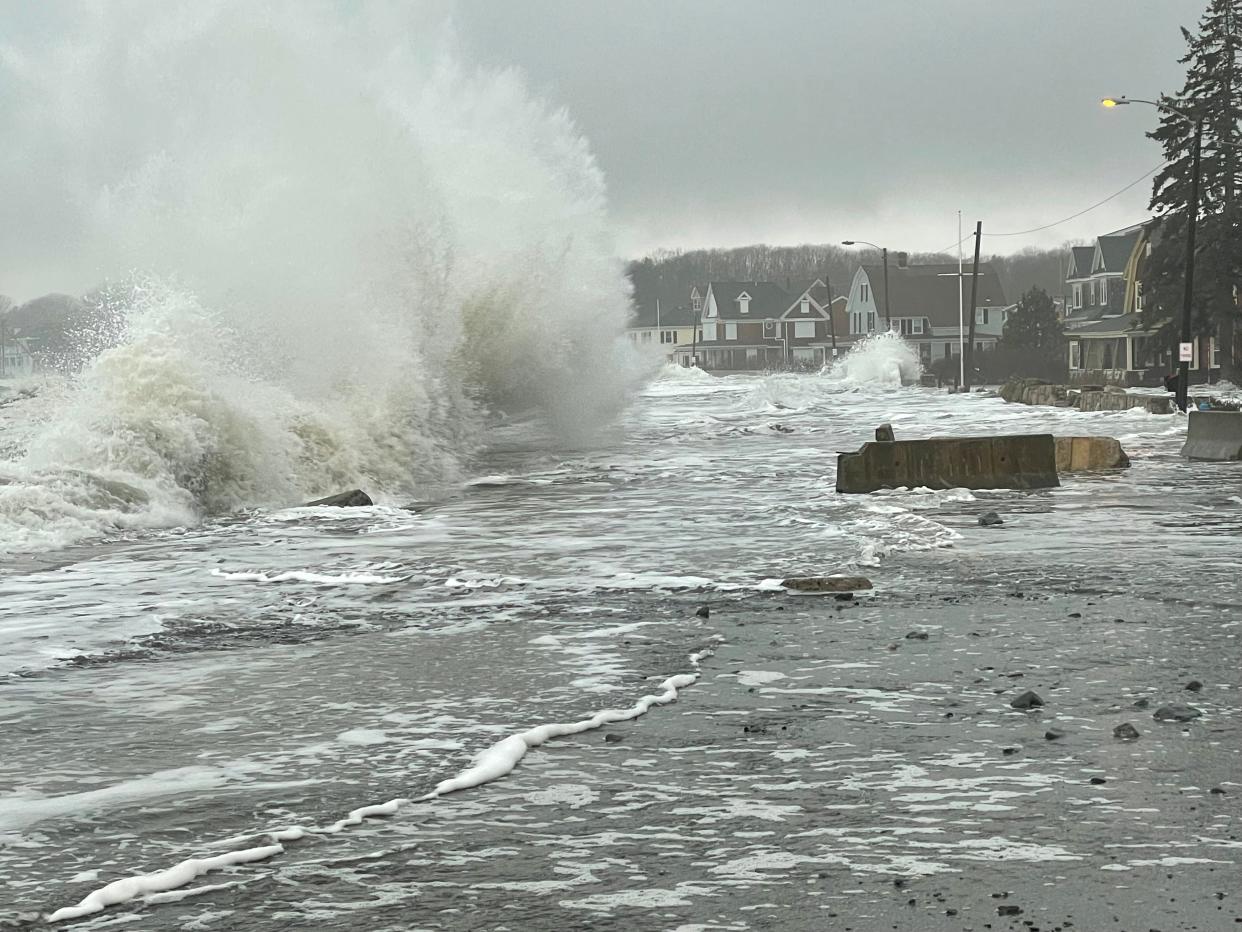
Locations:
(724, 122)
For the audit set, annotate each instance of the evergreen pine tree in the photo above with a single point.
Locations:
(1033, 327)
(1212, 94)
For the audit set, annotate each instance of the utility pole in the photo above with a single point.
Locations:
(832, 322)
(961, 303)
(888, 307)
(969, 359)
(1192, 217)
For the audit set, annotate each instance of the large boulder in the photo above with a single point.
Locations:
(826, 583)
(354, 498)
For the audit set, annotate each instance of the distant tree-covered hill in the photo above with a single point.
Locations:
(671, 274)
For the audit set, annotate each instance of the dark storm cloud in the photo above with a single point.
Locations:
(803, 120)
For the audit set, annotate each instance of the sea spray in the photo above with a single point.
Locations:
(880, 359)
(352, 247)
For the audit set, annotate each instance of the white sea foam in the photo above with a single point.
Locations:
(320, 579)
(883, 359)
(490, 764)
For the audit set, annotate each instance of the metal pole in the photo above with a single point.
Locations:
(961, 300)
(832, 322)
(974, 293)
(1192, 216)
(888, 317)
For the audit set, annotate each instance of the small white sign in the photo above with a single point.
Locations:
(1185, 352)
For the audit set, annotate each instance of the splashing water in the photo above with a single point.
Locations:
(351, 249)
(880, 359)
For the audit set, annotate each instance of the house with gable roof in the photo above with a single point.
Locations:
(924, 303)
(760, 325)
(1097, 277)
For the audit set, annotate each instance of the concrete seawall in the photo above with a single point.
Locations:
(1021, 461)
(1214, 435)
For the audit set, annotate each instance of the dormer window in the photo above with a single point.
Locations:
(864, 292)
(743, 303)
(806, 305)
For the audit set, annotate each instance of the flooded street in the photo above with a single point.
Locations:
(837, 764)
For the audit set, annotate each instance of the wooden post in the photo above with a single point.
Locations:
(969, 358)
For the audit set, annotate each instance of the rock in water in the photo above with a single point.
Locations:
(826, 583)
(991, 519)
(354, 498)
(1194, 686)
(1126, 732)
(1176, 713)
(1028, 700)
(704, 611)
(884, 433)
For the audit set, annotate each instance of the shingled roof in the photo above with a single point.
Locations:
(766, 300)
(931, 291)
(1080, 262)
(1115, 250)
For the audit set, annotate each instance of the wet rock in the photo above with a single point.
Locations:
(1097, 781)
(826, 583)
(1176, 713)
(1028, 700)
(1126, 732)
(781, 428)
(1009, 910)
(703, 611)
(1009, 752)
(1052, 734)
(916, 636)
(844, 597)
(1142, 703)
(1075, 615)
(613, 738)
(884, 433)
(354, 498)
(991, 519)
(1216, 791)
(1194, 686)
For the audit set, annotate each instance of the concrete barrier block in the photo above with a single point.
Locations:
(1214, 435)
(1019, 461)
(1083, 454)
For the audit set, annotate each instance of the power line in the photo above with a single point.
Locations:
(1085, 210)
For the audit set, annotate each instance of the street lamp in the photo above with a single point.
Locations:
(1192, 217)
(888, 317)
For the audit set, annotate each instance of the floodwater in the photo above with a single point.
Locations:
(192, 692)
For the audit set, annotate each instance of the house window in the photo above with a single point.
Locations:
(918, 325)
(1091, 294)
(870, 321)
(864, 292)
(646, 336)
(743, 303)
(1214, 356)
(696, 302)
(1138, 296)
(730, 331)
(948, 350)
(982, 315)
(806, 306)
(1103, 291)
(804, 329)
(668, 336)
(1078, 296)
(1075, 356)
(708, 332)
